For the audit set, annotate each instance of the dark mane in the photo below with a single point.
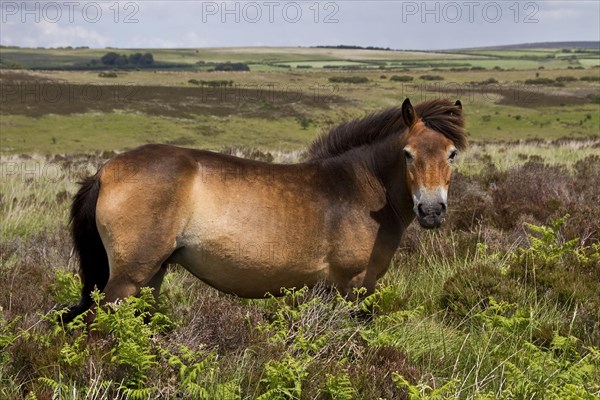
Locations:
(441, 115)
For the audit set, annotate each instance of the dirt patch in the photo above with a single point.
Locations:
(532, 97)
(35, 96)
(517, 94)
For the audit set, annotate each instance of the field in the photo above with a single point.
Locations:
(501, 302)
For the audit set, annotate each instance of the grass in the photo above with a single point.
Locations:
(104, 132)
(40, 58)
(57, 134)
(455, 312)
(178, 112)
(262, 57)
(511, 340)
(490, 122)
(506, 156)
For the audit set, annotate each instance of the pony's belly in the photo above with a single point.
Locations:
(253, 271)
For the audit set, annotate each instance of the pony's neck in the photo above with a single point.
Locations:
(383, 175)
(388, 164)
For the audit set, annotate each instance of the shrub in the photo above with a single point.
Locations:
(469, 290)
(563, 271)
(534, 189)
(229, 66)
(432, 77)
(543, 81)
(213, 83)
(401, 78)
(348, 79)
(566, 79)
(489, 81)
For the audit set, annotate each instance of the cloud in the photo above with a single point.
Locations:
(188, 39)
(367, 23)
(47, 34)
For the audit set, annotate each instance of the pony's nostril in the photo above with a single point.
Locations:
(435, 210)
(443, 207)
(421, 212)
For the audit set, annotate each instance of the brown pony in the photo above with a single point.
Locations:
(251, 228)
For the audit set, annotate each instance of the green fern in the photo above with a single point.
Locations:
(425, 392)
(548, 248)
(125, 322)
(59, 389)
(137, 394)
(67, 287)
(283, 378)
(7, 334)
(339, 387)
(199, 374)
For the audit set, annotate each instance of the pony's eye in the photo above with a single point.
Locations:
(409, 156)
(453, 155)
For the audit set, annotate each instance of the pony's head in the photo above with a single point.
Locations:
(430, 150)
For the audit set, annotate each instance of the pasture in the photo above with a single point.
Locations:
(500, 302)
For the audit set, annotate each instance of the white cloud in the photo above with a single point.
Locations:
(189, 39)
(367, 23)
(47, 34)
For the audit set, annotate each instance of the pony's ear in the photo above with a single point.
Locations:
(408, 113)
(458, 104)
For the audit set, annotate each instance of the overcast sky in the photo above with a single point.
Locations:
(395, 24)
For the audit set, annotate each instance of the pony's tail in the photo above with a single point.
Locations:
(93, 261)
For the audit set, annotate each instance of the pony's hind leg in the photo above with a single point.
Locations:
(128, 279)
(135, 268)
(157, 280)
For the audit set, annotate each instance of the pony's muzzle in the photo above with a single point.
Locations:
(431, 214)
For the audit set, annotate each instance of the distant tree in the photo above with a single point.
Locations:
(121, 61)
(135, 58)
(109, 58)
(147, 59)
(228, 66)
